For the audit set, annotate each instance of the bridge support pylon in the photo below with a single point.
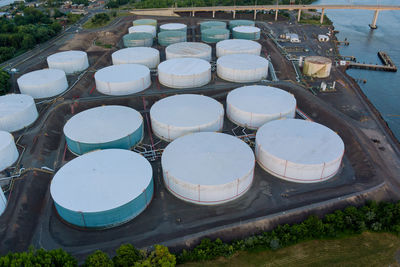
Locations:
(234, 14)
(276, 14)
(299, 15)
(322, 16)
(373, 24)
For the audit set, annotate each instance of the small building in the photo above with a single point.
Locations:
(323, 38)
(292, 37)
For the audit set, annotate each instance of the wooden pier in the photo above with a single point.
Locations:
(388, 64)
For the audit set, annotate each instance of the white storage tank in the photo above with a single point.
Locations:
(246, 32)
(316, 66)
(138, 39)
(144, 28)
(146, 56)
(17, 111)
(173, 27)
(43, 83)
(69, 61)
(103, 128)
(178, 115)
(184, 72)
(208, 168)
(189, 49)
(8, 151)
(237, 46)
(242, 68)
(122, 79)
(3, 201)
(253, 106)
(103, 188)
(298, 150)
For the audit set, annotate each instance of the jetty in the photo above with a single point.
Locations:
(387, 64)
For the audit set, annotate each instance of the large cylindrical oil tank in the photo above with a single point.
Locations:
(69, 61)
(166, 38)
(146, 56)
(138, 22)
(316, 66)
(242, 68)
(43, 83)
(173, 27)
(178, 115)
(103, 128)
(8, 151)
(184, 72)
(17, 111)
(103, 189)
(208, 168)
(253, 106)
(237, 46)
(240, 22)
(298, 150)
(122, 79)
(138, 39)
(214, 24)
(144, 28)
(189, 49)
(214, 35)
(246, 32)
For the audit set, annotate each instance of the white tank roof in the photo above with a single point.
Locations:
(147, 56)
(101, 180)
(69, 61)
(43, 83)
(242, 68)
(299, 150)
(177, 115)
(173, 26)
(144, 28)
(103, 124)
(189, 49)
(246, 29)
(208, 168)
(237, 46)
(184, 72)
(122, 79)
(16, 112)
(8, 151)
(253, 106)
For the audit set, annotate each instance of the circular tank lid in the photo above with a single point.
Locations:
(5, 139)
(103, 124)
(238, 45)
(189, 49)
(144, 22)
(122, 73)
(318, 60)
(14, 103)
(242, 61)
(213, 23)
(184, 66)
(214, 31)
(138, 36)
(67, 56)
(300, 141)
(246, 29)
(207, 158)
(137, 54)
(173, 26)
(261, 99)
(142, 28)
(186, 110)
(101, 180)
(40, 77)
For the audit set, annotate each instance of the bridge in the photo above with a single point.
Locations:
(277, 8)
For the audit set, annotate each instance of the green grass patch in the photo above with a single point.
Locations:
(315, 20)
(89, 24)
(367, 249)
(98, 43)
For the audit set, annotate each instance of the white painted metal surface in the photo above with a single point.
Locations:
(103, 124)
(8, 151)
(173, 27)
(298, 150)
(69, 61)
(16, 112)
(178, 115)
(237, 46)
(3, 202)
(101, 180)
(189, 49)
(316, 66)
(184, 72)
(122, 79)
(253, 106)
(146, 56)
(144, 28)
(43, 83)
(208, 168)
(242, 68)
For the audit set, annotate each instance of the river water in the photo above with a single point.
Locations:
(382, 88)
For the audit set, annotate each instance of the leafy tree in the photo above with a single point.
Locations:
(4, 84)
(28, 42)
(38, 257)
(127, 255)
(98, 259)
(6, 53)
(160, 257)
(100, 18)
